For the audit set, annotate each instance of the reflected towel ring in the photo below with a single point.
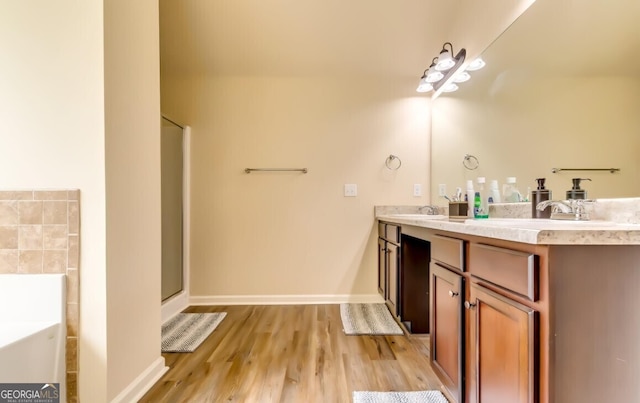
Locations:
(470, 162)
(391, 164)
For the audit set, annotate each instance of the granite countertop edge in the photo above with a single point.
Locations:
(613, 234)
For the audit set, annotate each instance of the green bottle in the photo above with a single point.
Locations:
(480, 201)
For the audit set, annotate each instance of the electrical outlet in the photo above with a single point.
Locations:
(417, 189)
(350, 190)
(442, 189)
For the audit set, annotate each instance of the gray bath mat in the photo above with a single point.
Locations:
(368, 319)
(186, 331)
(424, 396)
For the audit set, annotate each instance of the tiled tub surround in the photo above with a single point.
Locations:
(40, 233)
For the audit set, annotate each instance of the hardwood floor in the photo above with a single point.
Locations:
(291, 353)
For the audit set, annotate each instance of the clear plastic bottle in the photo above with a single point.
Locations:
(470, 197)
(510, 192)
(494, 192)
(480, 201)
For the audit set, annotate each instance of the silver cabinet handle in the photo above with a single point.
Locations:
(469, 305)
(453, 294)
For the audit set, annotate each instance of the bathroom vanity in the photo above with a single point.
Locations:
(525, 310)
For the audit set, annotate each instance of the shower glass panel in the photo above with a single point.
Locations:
(172, 165)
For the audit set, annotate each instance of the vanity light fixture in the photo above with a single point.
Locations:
(445, 71)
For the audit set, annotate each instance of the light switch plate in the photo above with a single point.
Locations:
(350, 190)
(417, 189)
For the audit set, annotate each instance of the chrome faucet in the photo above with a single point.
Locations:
(572, 209)
(431, 210)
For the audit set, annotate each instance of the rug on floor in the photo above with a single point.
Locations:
(368, 319)
(424, 396)
(186, 331)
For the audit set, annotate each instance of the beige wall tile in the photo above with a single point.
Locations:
(9, 237)
(54, 212)
(72, 320)
(16, 195)
(30, 212)
(30, 237)
(54, 237)
(74, 217)
(50, 195)
(30, 261)
(8, 212)
(54, 261)
(72, 353)
(73, 256)
(72, 286)
(73, 194)
(8, 261)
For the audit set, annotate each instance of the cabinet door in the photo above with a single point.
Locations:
(382, 268)
(393, 264)
(446, 328)
(503, 348)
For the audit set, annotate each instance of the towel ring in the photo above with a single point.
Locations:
(391, 164)
(470, 162)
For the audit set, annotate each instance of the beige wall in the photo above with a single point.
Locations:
(132, 147)
(51, 108)
(528, 127)
(290, 233)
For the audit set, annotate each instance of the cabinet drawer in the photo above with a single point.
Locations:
(393, 233)
(382, 232)
(449, 251)
(513, 270)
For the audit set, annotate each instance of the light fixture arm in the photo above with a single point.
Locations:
(444, 47)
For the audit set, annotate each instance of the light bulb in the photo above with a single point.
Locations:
(445, 61)
(461, 77)
(450, 88)
(476, 64)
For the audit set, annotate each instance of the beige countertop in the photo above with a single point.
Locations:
(527, 230)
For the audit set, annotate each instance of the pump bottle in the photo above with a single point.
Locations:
(539, 195)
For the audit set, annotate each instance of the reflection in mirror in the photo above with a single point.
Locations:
(561, 89)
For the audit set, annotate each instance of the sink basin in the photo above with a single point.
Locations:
(419, 216)
(541, 223)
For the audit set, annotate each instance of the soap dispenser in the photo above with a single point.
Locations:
(575, 192)
(539, 195)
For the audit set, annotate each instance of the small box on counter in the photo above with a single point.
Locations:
(458, 211)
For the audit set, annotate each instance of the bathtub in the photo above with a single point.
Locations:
(33, 329)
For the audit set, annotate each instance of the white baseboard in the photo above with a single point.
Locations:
(283, 299)
(174, 305)
(142, 383)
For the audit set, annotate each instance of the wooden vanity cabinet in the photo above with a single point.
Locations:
(388, 265)
(502, 348)
(447, 294)
(484, 339)
(446, 307)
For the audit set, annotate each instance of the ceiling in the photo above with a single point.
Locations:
(302, 37)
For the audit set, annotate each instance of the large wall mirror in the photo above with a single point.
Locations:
(561, 89)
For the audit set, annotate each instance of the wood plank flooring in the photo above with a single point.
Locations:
(291, 353)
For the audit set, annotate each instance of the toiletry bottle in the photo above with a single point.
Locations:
(470, 197)
(480, 201)
(575, 192)
(494, 192)
(510, 193)
(539, 195)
